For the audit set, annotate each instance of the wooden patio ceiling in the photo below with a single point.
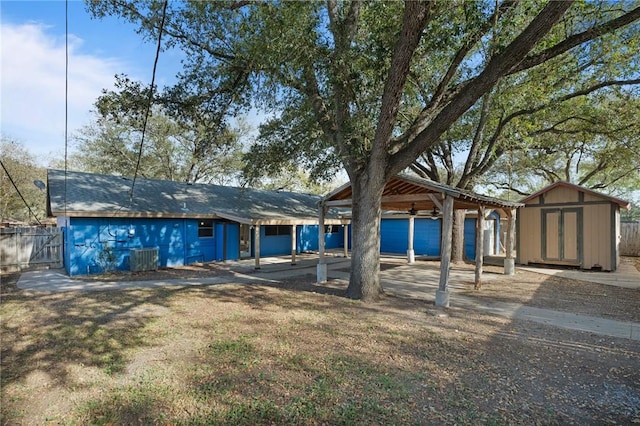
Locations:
(404, 192)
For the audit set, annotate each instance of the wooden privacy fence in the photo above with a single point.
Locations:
(630, 241)
(30, 247)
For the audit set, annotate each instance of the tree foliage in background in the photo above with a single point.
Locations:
(594, 144)
(571, 118)
(182, 143)
(368, 86)
(23, 169)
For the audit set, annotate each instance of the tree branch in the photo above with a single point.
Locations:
(442, 95)
(416, 15)
(497, 67)
(462, 53)
(429, 171)
(503, 123)
(472, 158)
(598, 168)
(576, 40)
(146, 22)
(506, 186)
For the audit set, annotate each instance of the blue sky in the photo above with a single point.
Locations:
(32, 69)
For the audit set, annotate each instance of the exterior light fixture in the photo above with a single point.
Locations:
(413, 210)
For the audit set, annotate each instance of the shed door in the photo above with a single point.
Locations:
(561, 234)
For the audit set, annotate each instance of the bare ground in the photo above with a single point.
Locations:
(298, 353)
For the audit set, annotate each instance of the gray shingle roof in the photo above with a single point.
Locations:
(95, 195)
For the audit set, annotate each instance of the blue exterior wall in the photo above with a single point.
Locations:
(470, 238)
(227, 241)
(306, 240)
(394, 234)
(334, 240)
(233, 241)
(177, 242)
(272, 245)
(470, 234)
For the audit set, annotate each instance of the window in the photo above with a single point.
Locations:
(272, 230)
(205, 228)
(332, 229)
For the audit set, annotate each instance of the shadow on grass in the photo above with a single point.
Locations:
(294, 352)
(555, 375)
(48, 332)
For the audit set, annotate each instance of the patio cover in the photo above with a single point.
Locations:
(404, 192)
(412, 194)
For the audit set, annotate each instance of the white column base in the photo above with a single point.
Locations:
(322, 272)
(442, 298)
(509, 266)
(411, 256)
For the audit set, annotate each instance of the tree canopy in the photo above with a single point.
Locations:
(550, 123)
(20, 199)
(370, 86)
(186, 143)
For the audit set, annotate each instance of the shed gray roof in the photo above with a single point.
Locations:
(95, 195)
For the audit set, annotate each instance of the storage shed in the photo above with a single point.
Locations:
(569, 225)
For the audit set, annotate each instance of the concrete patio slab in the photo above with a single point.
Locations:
(626, 275)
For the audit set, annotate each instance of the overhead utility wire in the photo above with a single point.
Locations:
(19, 193)
(66, 98)
(150, 100)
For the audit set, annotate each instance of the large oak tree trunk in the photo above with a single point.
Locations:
(457, 243)
(364, 281)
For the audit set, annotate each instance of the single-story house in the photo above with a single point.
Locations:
(150, 223)
(569, 225)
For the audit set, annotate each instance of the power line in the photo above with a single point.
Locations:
(150, 100)
(19, 193)
(66, 98)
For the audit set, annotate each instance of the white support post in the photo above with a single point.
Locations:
(322, 262)
(479, 247)
(256, 238)
(509, 261)
(442, 294)
(294, 244)
(411, 255)
(345, 229)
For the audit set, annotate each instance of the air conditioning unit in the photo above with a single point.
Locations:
(143, 259)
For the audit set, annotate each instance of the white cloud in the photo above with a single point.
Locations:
(32, 86)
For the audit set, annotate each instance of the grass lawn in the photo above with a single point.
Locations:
(245, 355)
